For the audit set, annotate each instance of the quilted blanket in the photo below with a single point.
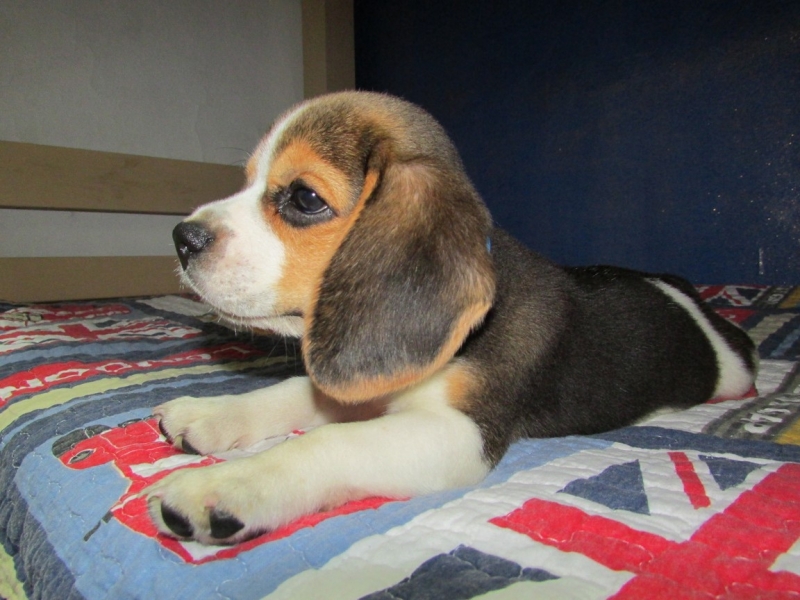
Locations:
(703, 503)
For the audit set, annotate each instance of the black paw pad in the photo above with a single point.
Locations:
(223, 525)
(179, 524)
(187, 447)
(164, 431)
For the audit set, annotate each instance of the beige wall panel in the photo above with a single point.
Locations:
(37, 176)
(69, 278)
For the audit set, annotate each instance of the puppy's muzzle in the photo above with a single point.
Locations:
(190, 240)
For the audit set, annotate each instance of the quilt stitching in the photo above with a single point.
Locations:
(66, 372)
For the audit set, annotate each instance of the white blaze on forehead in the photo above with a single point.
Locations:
(265, 151)
(240, 275)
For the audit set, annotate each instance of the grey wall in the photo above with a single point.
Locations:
(189, 79)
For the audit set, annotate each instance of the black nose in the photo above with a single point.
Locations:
(190, 239)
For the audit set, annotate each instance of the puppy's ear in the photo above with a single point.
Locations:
(409, 282)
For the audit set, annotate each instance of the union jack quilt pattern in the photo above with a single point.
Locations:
(703, 503)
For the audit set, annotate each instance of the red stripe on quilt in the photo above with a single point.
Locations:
(730, 555)
(16, 339)
(609, 542)
(691, 482)
(26, 315)
(44, 377)
(139, 451)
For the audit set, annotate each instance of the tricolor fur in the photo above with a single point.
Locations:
(431, 339)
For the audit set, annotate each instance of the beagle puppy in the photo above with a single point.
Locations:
(431, 339)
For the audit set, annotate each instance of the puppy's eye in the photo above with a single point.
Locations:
(307, 201)
(301, 206)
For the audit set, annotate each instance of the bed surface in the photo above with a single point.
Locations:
(703, 503)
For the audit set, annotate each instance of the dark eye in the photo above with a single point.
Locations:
(307, 201)
(300, 205)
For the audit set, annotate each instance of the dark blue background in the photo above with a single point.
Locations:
(659, 135)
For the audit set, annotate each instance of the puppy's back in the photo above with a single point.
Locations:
(585, 350)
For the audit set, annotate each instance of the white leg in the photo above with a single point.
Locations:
(421, 446)
(224, 422)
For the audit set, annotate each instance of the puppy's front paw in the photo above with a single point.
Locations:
(209, 425)
(218, 504)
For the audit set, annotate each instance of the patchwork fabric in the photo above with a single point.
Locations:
(771, 314)
(461, 574)
(704, 503)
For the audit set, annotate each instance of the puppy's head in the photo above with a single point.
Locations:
(358, 230)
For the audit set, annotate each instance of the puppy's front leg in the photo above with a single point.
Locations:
(216, 424)
(424, 447)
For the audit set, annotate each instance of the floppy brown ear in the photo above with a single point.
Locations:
(411, 279)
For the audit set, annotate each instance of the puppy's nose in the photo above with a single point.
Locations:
(190, 239)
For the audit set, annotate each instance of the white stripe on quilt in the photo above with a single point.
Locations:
(790, 561)
(769, 325)
(177, 304)
(381, 561)
(62, 395)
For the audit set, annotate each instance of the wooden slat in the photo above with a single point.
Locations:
(75, 278)
(328, 46)
(37, 176)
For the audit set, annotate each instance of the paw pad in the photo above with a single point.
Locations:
(163, 431)
(179, 524)
(224, 525)
(187, 447)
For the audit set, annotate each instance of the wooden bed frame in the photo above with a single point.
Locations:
(33, 176)
(41, 177)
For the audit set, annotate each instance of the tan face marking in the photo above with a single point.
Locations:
(272, 281)
(308, 250)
